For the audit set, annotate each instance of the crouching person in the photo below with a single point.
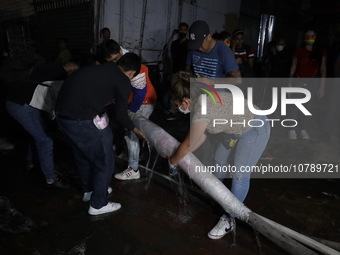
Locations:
(25, 102)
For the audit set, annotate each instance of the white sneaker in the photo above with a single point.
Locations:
(87, 195)
(304, 134)
(222, 228)
(110, 207)
(292, 135)
(128, 174)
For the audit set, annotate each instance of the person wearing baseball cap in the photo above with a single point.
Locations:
(198, 31)
(208, 57)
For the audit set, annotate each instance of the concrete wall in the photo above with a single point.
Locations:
(161, 18)
(124, 19)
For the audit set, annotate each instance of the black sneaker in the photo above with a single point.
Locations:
(58, 184)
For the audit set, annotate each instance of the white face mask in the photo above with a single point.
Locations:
(279, 48)
(183, 111)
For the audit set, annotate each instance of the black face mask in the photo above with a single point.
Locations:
(182, 35)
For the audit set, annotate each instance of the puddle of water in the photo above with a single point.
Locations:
(11, 220)
(184, 214)
(78, 249)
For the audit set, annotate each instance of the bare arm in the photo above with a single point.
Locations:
(193, 141)
(235, 76)
(293, 67)
(139, 133)
(251, 61)
(323, 68)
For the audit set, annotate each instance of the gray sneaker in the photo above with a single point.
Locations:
(128, 174)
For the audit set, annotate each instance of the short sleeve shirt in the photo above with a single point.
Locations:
(225, 112)
(305, 66)
(213, 64)
(245, 52)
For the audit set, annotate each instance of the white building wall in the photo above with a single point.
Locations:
(161, 18)
(10, 9)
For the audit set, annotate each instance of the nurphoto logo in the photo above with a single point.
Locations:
(238, 104)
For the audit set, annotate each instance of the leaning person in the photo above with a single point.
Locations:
(81, 118)
(142, 101)
(22, 103)
(251, 141)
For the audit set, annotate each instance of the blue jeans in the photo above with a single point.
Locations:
(93, 155)
(145, 111)
(248, 151)
(33, 122)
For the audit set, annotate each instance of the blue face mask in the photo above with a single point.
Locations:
(183, 111)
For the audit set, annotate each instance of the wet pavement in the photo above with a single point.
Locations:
(159, 216)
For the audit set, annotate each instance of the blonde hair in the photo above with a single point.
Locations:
(181, 89)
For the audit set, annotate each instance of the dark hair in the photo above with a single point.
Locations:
(316, 48)
(105, 28)
(130, 62)
(237, 32)
(106, 49)
(111, 47)
(224, 35)
(183, 24)
(216, 36)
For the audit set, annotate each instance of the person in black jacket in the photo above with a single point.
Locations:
(280, 59)
(81, 118)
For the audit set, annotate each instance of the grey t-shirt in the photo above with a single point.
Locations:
(225, 112)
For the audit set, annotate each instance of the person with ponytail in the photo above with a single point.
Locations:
(213, 144)
(309, 61)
